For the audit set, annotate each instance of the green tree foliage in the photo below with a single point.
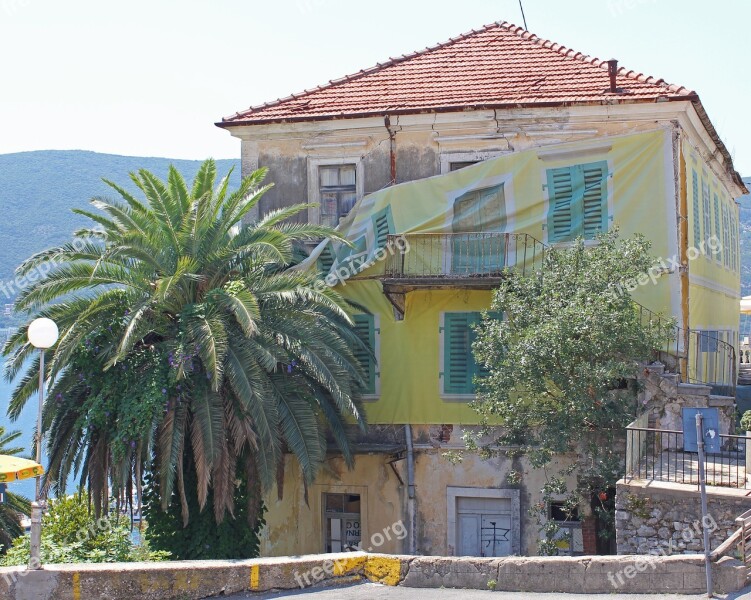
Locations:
(185, 340)
(71, 533)
(559, 361)
(14, 505)
(202, 538)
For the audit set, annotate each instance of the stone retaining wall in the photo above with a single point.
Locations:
(200, 579)
(665, 518)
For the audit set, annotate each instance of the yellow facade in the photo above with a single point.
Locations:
(644, 193)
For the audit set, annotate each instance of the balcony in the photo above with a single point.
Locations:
(473, 260)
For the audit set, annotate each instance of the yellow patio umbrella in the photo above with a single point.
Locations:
(13, 468)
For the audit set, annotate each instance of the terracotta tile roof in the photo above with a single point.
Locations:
(500, 65)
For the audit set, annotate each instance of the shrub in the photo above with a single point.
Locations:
(72, 534)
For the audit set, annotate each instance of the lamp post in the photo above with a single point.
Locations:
(42, 334)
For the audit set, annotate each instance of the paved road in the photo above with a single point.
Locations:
(371, 591)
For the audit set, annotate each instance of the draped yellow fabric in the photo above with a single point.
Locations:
(625, 181)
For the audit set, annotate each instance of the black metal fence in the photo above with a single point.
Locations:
(668, 456)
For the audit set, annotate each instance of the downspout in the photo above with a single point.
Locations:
(392, 148)
(682, 211)
(411, 513)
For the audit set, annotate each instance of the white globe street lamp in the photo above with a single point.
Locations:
(42, 334)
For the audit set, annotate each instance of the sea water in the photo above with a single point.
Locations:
(26, 424)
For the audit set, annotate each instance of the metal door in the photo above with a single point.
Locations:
(711, 430)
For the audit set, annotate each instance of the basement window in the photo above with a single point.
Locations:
(341, 514)
(568, 540)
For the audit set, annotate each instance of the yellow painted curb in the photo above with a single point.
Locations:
(255, 577)
(76, 586)
(343, 566)
(384, 569)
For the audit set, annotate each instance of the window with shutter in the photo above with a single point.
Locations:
(726, 235)
(366, 331)
(383, 226)
(695, 204)
(706, 212)
(459, 366)
(578, 203)
(717, 226)
(734, 239)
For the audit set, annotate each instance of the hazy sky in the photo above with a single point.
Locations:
(151, 77)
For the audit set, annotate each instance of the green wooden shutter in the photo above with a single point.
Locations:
(458, 365)
(706, 211)
(697, 213)
(733, 238)
(726, 234)
(717, 226)
(480, 369)
(365, 330)
(383, 225)
(326, 260)
(578, 201)
(562, 213)
(595, 197)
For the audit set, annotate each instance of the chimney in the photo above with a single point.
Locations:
(613, 71)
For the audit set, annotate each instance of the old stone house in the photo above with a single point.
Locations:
(538, 140)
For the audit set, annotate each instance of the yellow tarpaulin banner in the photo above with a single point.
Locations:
(553, 194)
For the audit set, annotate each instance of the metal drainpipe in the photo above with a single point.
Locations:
(411, 512)
(392, 148)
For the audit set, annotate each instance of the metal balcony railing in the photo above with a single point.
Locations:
(461, 255)
(696, 356)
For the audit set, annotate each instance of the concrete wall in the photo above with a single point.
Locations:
(200, 579)
(294, 524)
(665, 518)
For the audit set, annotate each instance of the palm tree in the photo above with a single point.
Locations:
(14, 505)
(185, 339)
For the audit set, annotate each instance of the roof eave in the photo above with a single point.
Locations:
(727, 158)
(230, 122)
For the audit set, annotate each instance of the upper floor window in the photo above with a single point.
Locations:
(578, 201)
(695, 204)
(717, 227)
(337, 191)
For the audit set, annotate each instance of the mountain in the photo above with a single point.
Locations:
(39, 189)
